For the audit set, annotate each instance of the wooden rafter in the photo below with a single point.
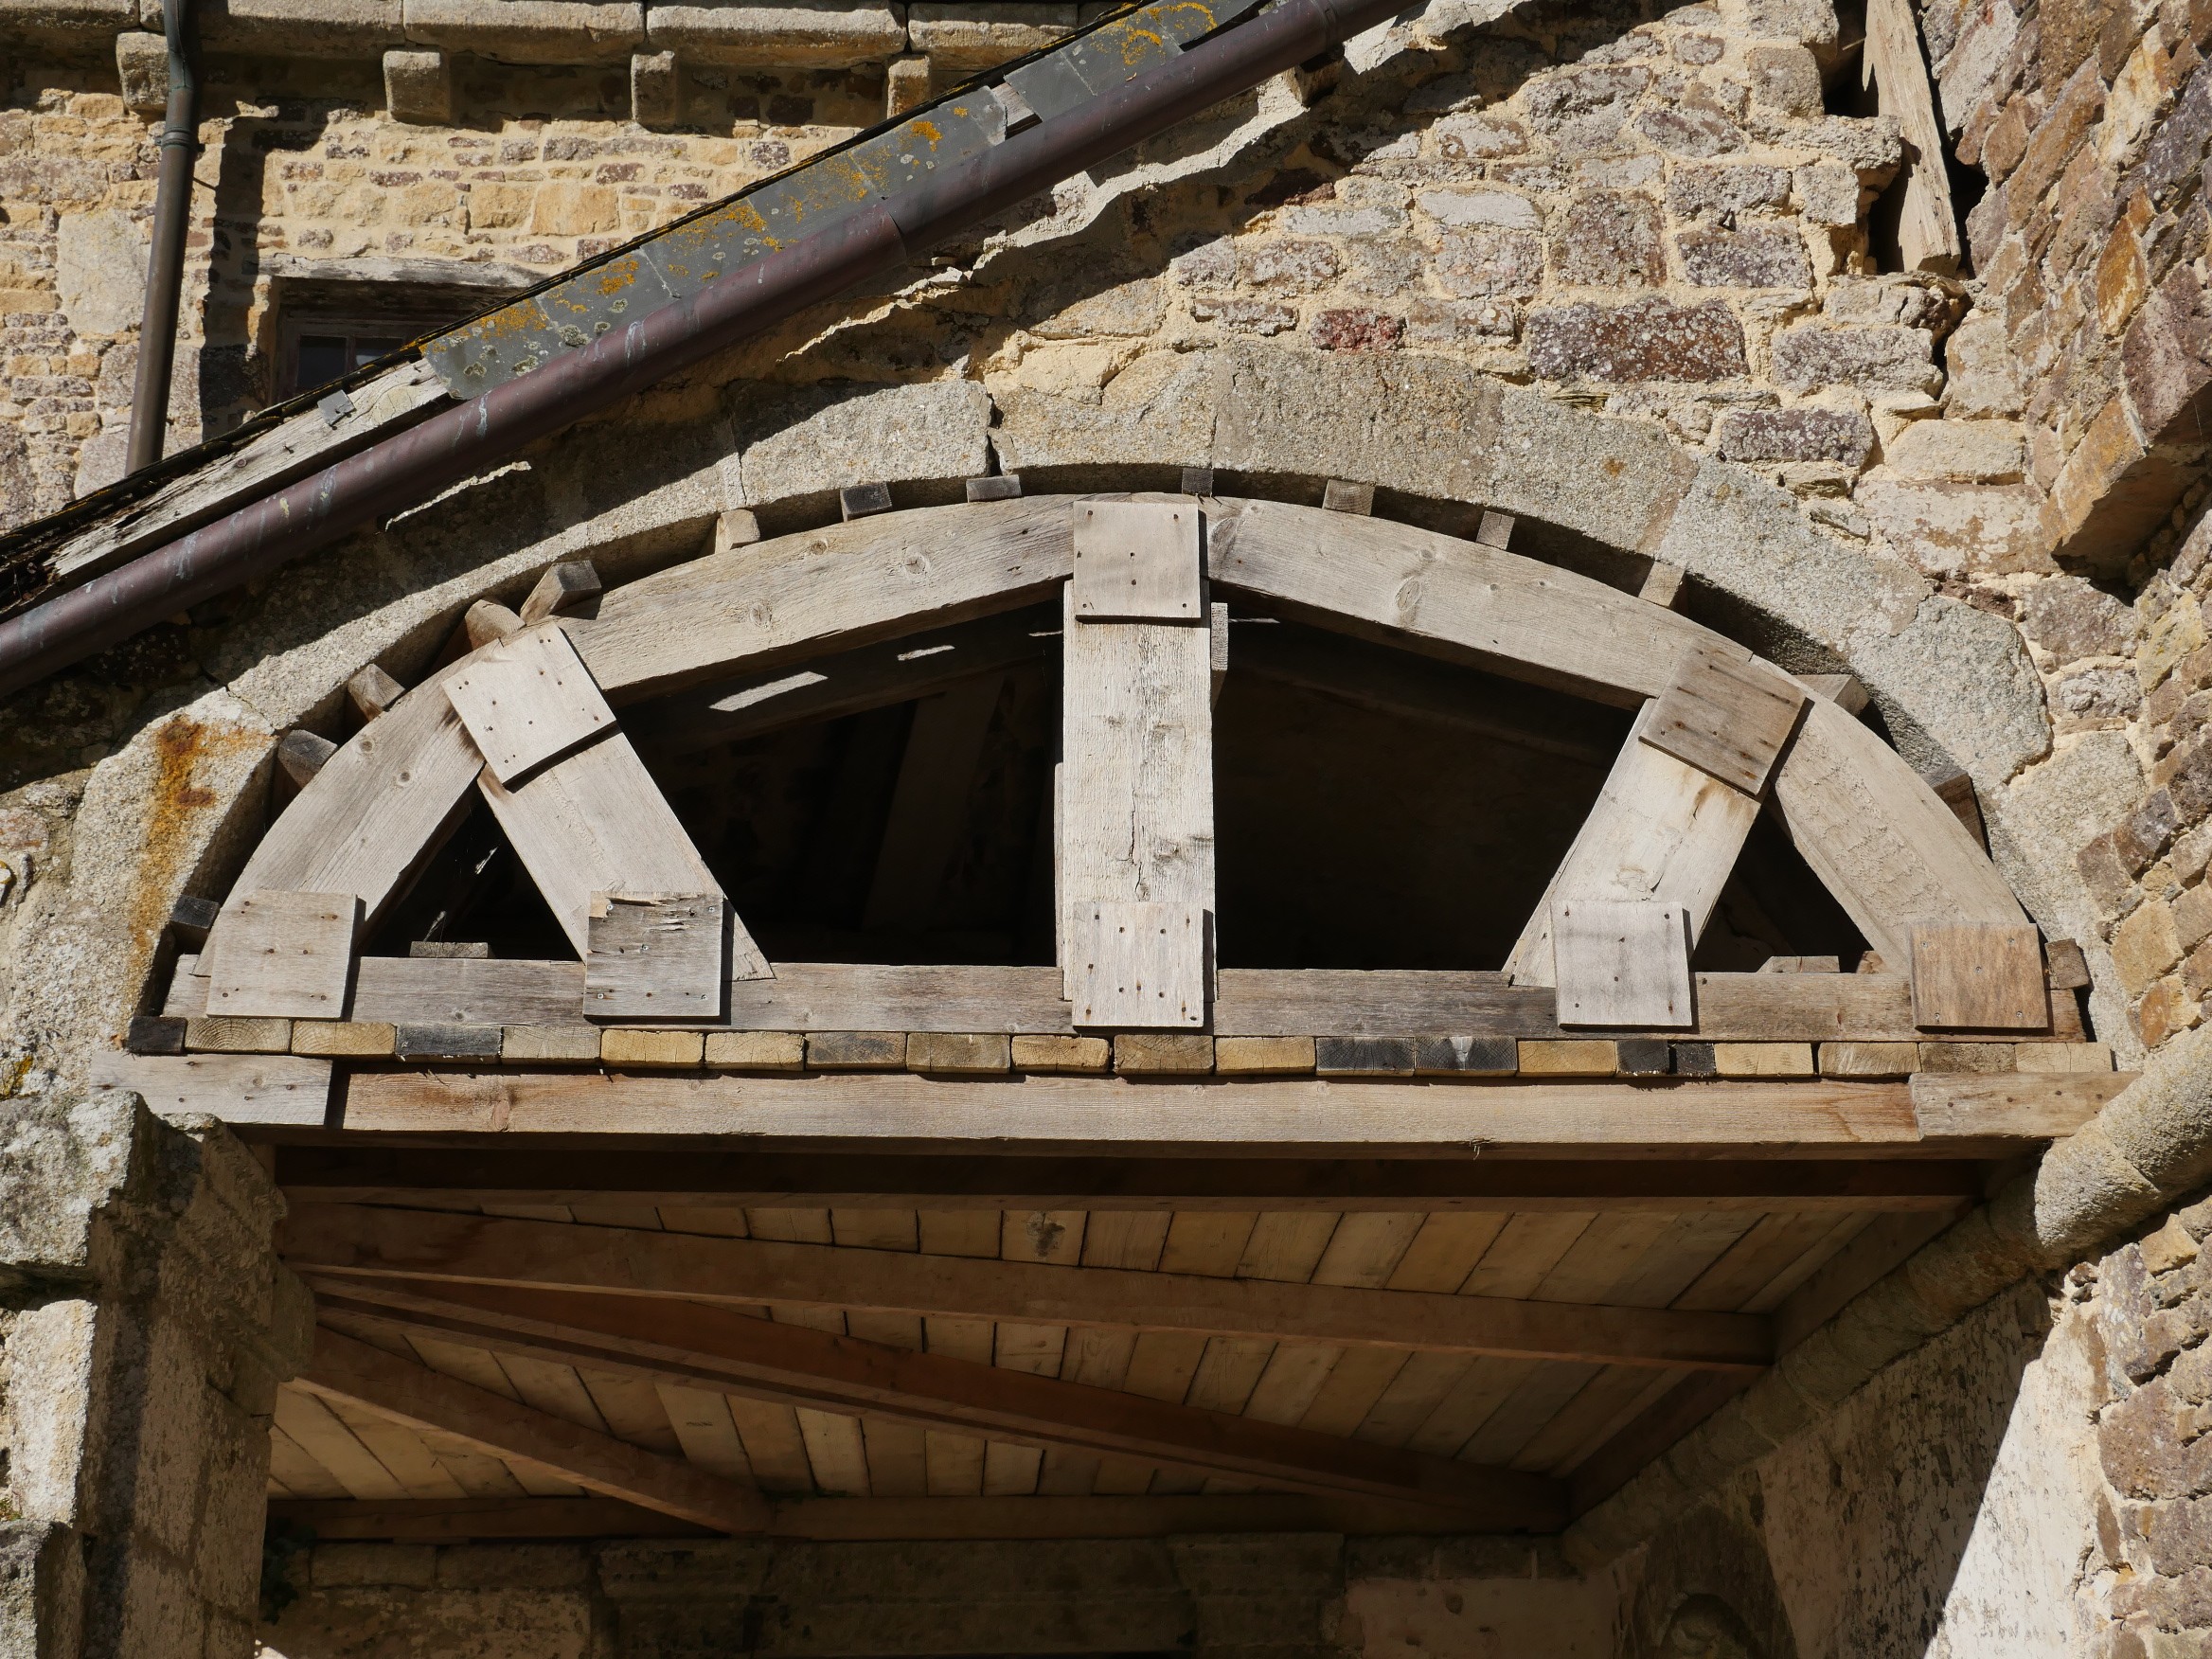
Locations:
(356, 1240)
(426, 1399)
(692, 1345)
(708, 1175)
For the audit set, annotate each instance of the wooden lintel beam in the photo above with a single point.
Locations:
(422, 1399)
(695, 1346)
(357, 1241)
(709, 1174)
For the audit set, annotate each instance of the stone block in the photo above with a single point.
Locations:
(1750, 257)
(99, 272)
(2145, 946)
(1568, 1057)
(1954, 530)
(907, 85)
(1878, 359)
(142, 63)
(419, 88)
(1608, 239)
(965, 37)
(856, 1050)
(1649, 339)
(1486, 263)
(1061, 1054)
(761, 1051)
(1356, 329)
(656, 89)
(549, 1044)
(344, 1038)
(957, 1053)
(1983, 452)
(1163, 1054)
(629, 1045)
(1786, 79)
(294, 28)
(1828, 194)
(226, 1034)
(571, 208)
(1805, 434)
(1724, 189)
(810, 440)
(413, 1566)
(2069, 618)
(1501, 210)
(1261, 1056)
(529, 31)
(812, 34)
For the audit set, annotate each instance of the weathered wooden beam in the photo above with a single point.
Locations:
(526, 699)
(273, 1089)
(426, 1399)
(466, 1520)
(285, 954)
(695, 1346)
(711, 1174)
(353, 1239)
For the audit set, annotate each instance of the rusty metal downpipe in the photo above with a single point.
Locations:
(172, 214)
(469, 437)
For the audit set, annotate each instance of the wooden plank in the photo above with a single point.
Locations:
(2031, 1105)
(1894, 857)
(1622, 963)
(1726, 716)
(1927, 231)
(837, 996)
(527, 700)
(656, 955)
(694, 1343)
(1136, 824)
(1661, 829)
(1451, 1200)
(840, 586)
(1460, 599)
(929, 804)
(375, 812)
(423, 1399)
(1969, 976)
(266, 1089)
(311, 1426)
(1138, 966)
(596, 822)
(1269, 1301)
(1137, 562)
(282, 953)
(1364, 1118)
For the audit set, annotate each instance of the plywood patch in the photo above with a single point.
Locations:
(655, 957)
(1623, 963)
(1726, 717)
(1977, 976)
(527, 700)
(283, 955)
(1137, 562)
(1138, 966)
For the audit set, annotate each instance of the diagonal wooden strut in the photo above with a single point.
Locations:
(358, 1240)
(699, 1347)
(422, 1399)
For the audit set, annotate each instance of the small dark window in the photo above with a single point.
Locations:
(332, 349)
(327, 327)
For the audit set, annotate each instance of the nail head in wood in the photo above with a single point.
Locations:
(283, 955)
(528, 701)
(1137, 562)
(1662, 585)
(1622, 963)
(302, 754)
(1341, 496)
(863, 500)
(655, 957)
(1978, 977)
(564, 587)
(1494, 530)
(372, 691)
(488, 620)
(995, 487)
(1198, 480)
(1729, 718)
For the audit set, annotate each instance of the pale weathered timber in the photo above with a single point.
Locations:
(1725, 716)
(897, 671)
(837, 587)
(285, 953)
(353, 1240)
(1662, 828)
(595, 822)
(1137, 562)
(1370, 1117)
(929, 804)
(1527, 619)
(1135, 819)
(413, 1394)
(525, 700)
(695, 1346)
(1977, 976)
(1894, 857)
(655, 957)
(2046, 1105)
(1136, 966)
(1622, 963)
(706, 1175)
(1927, 232)
(375, 812)
(238, 1088)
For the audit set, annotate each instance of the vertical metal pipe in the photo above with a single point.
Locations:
(165, 271)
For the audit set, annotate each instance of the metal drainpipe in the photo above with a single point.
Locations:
(164, 272)
(458, 442)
